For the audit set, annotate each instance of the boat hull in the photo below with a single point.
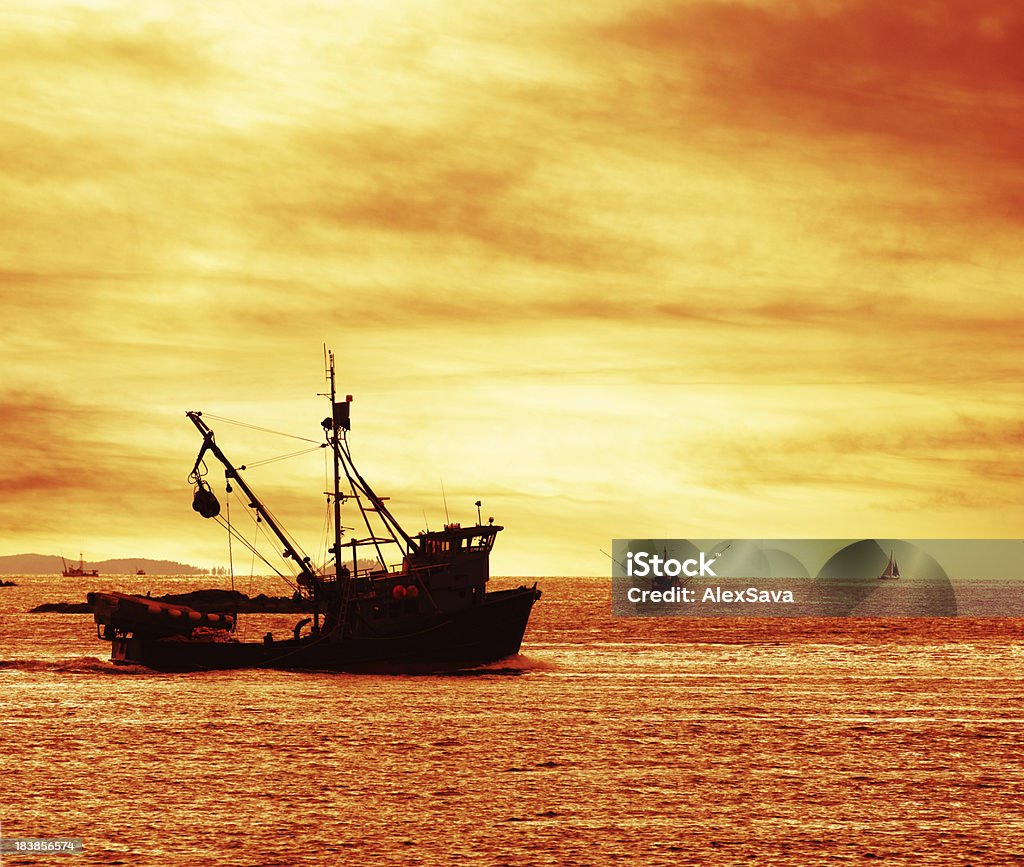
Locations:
(477, 635)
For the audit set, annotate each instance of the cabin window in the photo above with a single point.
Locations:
(438, 547)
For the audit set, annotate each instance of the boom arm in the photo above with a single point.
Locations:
(209, 444)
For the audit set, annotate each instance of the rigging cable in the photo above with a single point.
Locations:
(358, 484)
(284, 532)
(362, 510)
(390, 523)
(258, 428)
(324, 534)
(249, 546)
(264, 461)
(291, 539)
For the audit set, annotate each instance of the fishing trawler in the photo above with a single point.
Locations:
(431, 611)
(891, 571)
(79, 571)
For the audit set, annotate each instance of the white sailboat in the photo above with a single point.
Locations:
(892, 570)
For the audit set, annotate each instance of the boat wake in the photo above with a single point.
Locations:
(77, 665)
(512, 667)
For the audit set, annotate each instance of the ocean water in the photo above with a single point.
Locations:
(609, 740)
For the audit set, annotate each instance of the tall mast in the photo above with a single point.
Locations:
(333, 437)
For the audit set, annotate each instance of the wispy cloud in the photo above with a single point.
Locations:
(931, 90)
(729, 252)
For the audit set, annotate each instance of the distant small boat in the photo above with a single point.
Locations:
(892, 570)
(78, 571)
(140, 572)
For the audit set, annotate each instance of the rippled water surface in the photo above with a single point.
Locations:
(655, 741)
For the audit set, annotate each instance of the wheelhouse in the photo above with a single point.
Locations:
(457, 541)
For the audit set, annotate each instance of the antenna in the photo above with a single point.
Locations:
(447, 520)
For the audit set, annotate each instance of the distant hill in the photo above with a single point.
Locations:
(48, 564)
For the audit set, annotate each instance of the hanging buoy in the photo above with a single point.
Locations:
(398, 592)
(412, 591)
(204, 501)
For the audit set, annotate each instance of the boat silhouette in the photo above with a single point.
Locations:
(431, 611)
(891, 571)
(79, 571)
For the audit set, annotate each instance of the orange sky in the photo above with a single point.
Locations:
(620, 270)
